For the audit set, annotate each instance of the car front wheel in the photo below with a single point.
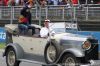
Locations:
(70, 60)
(11, 58)
(51, 53)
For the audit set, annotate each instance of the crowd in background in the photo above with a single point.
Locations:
(41, 2)
(45, 2)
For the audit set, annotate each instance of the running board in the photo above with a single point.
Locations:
(40, 63)
(44, 64)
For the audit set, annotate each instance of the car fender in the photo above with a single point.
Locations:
(18, 50)
(74, 51)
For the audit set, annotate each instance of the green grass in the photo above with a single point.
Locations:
(2, 45)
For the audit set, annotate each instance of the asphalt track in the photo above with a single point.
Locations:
(3, 62)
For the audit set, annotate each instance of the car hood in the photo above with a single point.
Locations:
(70, 36)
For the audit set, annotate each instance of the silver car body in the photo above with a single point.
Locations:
(32, 48)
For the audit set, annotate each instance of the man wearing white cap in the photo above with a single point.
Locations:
(44, 32)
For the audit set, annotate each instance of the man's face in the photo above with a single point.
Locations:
(29, 6)
(46, 24)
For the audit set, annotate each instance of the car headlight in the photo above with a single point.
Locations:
(86, 45)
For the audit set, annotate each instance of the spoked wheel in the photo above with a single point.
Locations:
(70, 60)
(11, 58)
(51, 53)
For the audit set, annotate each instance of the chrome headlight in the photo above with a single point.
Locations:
(86, 45)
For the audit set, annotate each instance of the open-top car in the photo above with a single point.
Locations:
(61, 48)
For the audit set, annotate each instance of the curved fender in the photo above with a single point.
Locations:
(18, 50)
(74, 51)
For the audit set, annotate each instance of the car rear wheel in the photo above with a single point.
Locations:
(70, 60)
(11, 58)
(51, 53)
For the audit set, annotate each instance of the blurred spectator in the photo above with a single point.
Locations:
(25, 1)
(43, 3)
(17, 2)
(5, 2)
(63, 2)
(46, 2)
(1, 2)
(97, 1)
(55, 2)
(21, 2)
(50, 2)
(74, 1)
(31, 2)
(88, 1)
(11, 3)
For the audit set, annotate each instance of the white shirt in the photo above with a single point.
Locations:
(45, 31)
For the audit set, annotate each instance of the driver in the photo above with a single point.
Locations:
(44, 32)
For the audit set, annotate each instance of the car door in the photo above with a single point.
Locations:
(24, 41)
(38, 45)
(31, 45)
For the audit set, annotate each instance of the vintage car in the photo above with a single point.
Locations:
(61, 48)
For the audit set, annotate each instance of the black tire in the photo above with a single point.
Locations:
(48, 60)
(70, 58)
(15, 63)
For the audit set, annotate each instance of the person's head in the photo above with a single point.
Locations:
(30, 6)
(27, 4)
(46, 23)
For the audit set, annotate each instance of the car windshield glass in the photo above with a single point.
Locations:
(63, 30)
(59, 30)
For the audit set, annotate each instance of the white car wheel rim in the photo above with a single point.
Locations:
(51, 53)
(11, 58)
(69, 62)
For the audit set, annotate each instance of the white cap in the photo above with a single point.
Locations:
(47, 20)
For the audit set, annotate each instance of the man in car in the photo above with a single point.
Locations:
(45, 31)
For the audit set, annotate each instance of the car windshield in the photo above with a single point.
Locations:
(59, 30)
(63, 27)
(63, 30)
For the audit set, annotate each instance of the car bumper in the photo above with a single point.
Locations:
(95, 62)
(92, 63)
